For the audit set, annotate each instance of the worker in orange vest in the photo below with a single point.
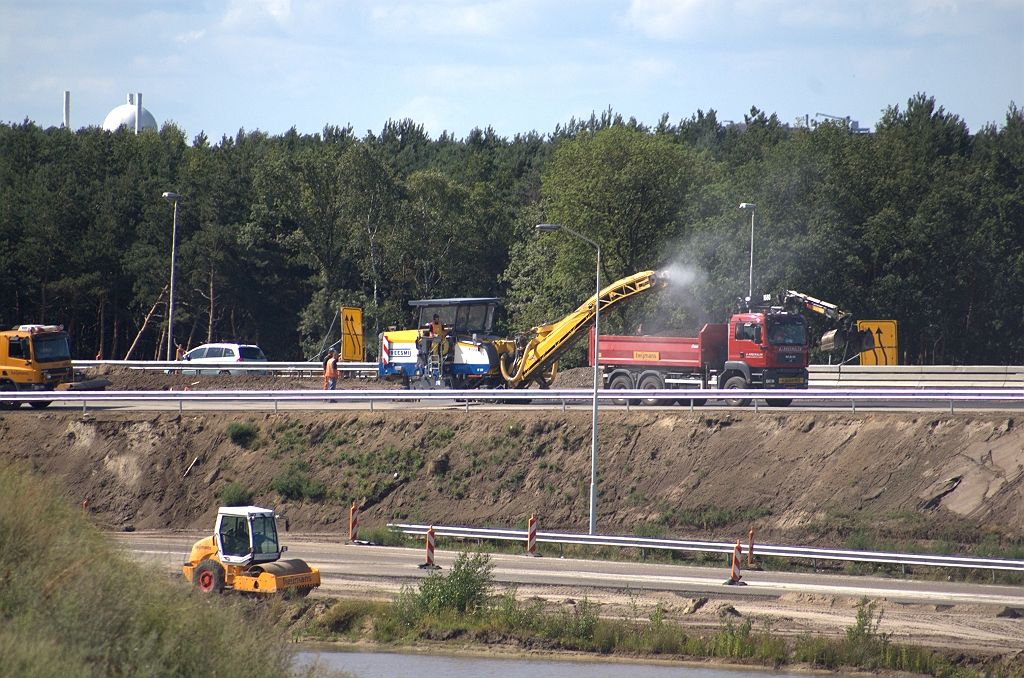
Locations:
(331, 371)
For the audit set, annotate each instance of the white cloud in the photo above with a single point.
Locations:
(191, 36)
(243, 12)
(451, 17)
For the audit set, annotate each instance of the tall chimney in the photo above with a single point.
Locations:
(67, 109)
(138, 112)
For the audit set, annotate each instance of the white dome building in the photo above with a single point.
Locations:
(126, 114)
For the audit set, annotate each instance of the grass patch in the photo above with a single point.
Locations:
(241, 433)
(70, 605)
(295, 484)
(235, 494)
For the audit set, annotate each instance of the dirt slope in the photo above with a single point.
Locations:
(822, 477)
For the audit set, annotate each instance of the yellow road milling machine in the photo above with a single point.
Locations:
(454, 346)
(244, 554)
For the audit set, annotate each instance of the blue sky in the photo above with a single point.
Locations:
(220, 65)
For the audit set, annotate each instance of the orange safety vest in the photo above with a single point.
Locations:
(437, 329)
(331, 371)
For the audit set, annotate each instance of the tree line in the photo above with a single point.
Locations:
(921, 221)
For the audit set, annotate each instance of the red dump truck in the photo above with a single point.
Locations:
(760, 347)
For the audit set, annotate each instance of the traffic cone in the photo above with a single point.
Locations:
(531, 536)
(429, 565)
(353, 522)
(734, 580)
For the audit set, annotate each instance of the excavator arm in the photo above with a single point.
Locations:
(532, 356)
(842, 336)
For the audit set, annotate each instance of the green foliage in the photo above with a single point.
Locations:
(386, 536)
(464, 589)
(235, 494)
(712, 517)
(918, 222)
(295, 484)
(242, 434)
(73, 606)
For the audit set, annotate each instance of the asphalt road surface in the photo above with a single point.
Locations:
(348, 568)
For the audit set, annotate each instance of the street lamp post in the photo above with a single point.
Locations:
(750, 286)
(597, 379)
(173, 197)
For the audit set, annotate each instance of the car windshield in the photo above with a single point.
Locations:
(264, 534)
(50, 349)
(252, 353)
(787, 334)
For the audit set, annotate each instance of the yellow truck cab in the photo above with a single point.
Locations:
(34, 358)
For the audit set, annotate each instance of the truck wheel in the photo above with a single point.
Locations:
(9, 404)
(40, 404)
(778, 402)
(209, 577)
(621, 382)
(737, 382)
(653, 381)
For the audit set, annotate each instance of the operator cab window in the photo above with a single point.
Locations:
(234, 535)
(264, 535)
(471, 319)
(748, 332)
(15, 349)
(446, 314)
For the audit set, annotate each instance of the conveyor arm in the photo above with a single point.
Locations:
(528, 359)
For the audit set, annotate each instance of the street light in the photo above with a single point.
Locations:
(172, 197)
(597, 381)
(750, 206)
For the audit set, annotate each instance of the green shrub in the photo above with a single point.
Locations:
(386, 536)
(70, 605)
(295, 483)
(513, 616)
(235, 494)
(574, 624)
(464, 589)
(242, 434)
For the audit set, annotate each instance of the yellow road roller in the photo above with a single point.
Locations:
(244, 554)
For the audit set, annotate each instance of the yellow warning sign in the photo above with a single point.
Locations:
(886, 344)
(351, 334)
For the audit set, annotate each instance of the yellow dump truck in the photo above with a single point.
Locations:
(38, 358)
(244, 554)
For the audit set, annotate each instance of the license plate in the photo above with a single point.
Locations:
(791, 380)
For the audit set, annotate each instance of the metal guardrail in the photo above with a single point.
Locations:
(188, 367)
(803, 552)
(821, 376)
(916, 376)
(552, 396)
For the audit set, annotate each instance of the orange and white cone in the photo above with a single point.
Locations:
(531, 536)
(353, 522)
(737, 552)
(429, 565)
